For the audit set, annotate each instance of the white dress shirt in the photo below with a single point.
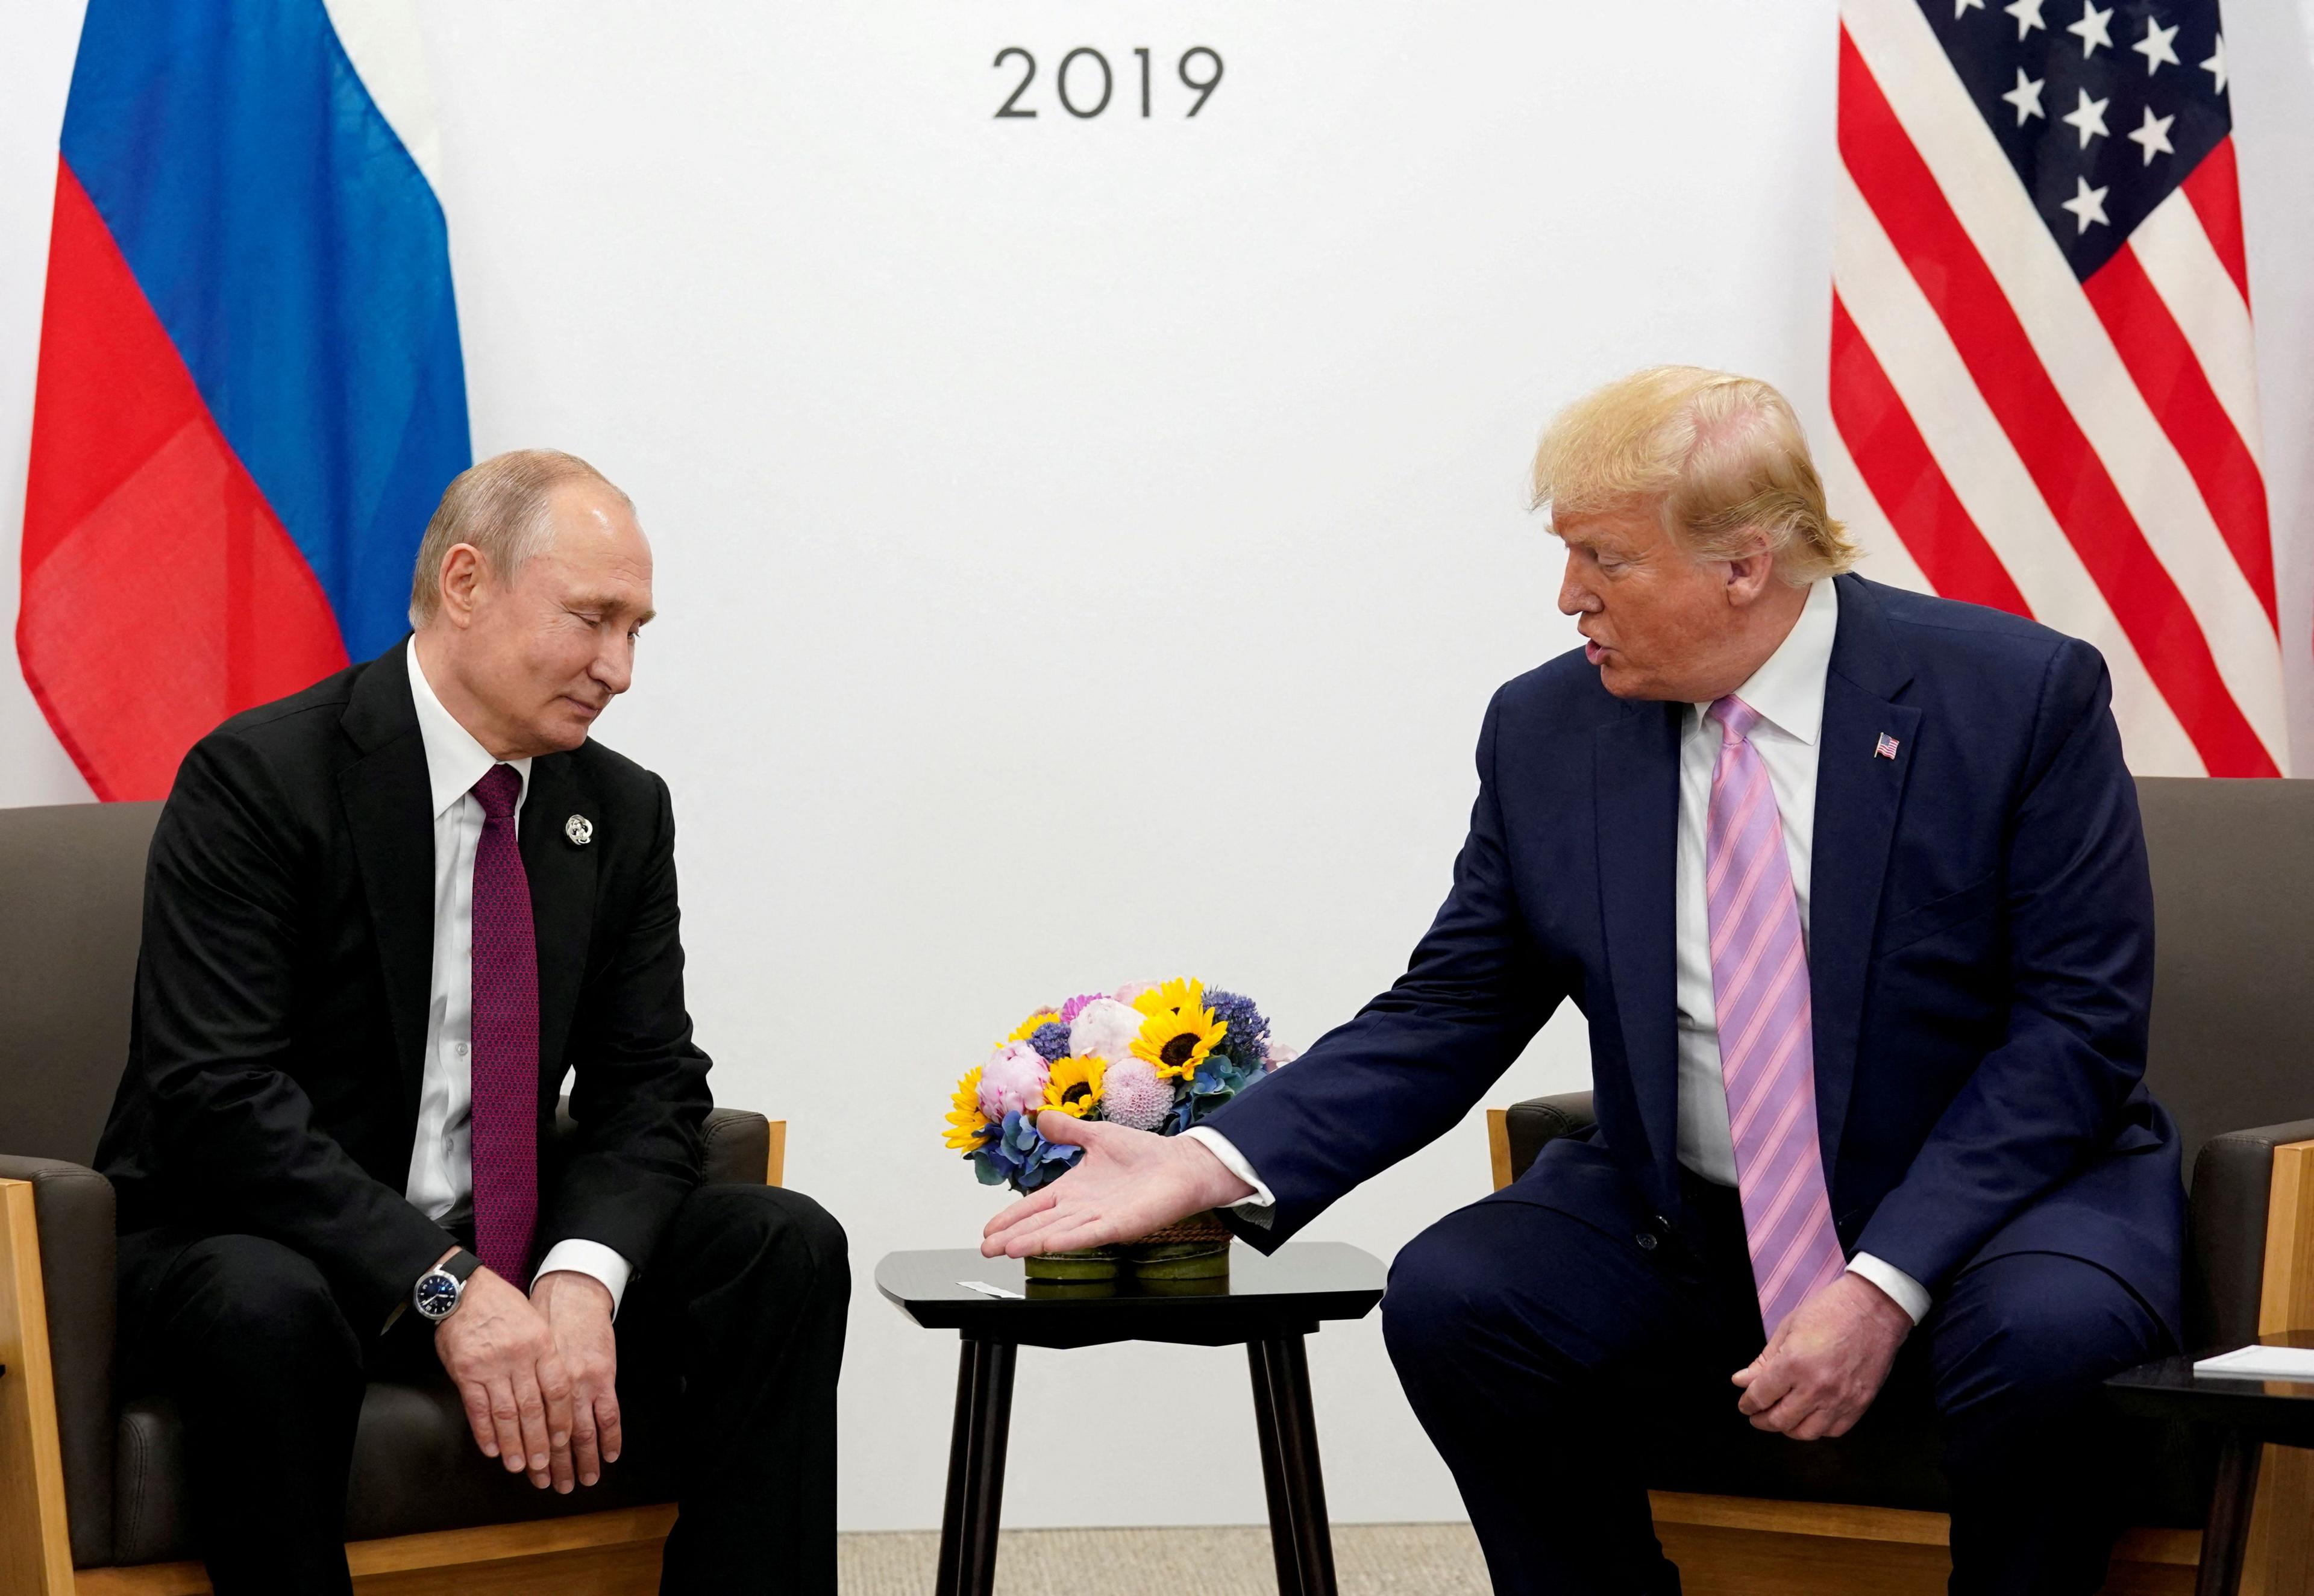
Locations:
(1788, 691)
(441, 1163)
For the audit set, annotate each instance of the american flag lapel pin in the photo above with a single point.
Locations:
(1885, 748)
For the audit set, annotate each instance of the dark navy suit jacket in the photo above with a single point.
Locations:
(1980, 950)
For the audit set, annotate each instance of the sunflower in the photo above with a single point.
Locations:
(1031, 1026)
(1172, 997)
(1178, 1041)
(1075, 1086)
(968, 1126)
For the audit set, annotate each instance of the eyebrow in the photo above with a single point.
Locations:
(610, 606)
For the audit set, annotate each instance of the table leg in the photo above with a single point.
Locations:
(1280, 1384)
(976, 1469)
(2225, 1537)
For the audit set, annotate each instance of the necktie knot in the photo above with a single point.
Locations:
(1736, 719)
(498, 791)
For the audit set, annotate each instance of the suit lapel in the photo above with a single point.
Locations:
(389, 812)
(1858, 796)
(562, 873)
(1635, 768)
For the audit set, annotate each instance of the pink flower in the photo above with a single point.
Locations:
(1131, 1095)
(1132, 990)
(1012, 1080)
(1075, 1005)
(1279, 1057)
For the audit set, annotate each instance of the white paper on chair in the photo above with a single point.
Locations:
(2261, 1362)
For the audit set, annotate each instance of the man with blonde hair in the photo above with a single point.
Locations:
(1850, 884)
(385, 919)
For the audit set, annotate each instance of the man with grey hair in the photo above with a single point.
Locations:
(1849, 885)
(385, 918)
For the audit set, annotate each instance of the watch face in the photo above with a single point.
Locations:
(437, 1295)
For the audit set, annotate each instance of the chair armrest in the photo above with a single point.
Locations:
(742, 1148)
(75, 1277)
(2252, 1193)
(1518, 1133)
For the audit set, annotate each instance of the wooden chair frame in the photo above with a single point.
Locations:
(1744, 1544)
(601, 1553)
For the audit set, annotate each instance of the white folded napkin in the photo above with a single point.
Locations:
(2261, 1362)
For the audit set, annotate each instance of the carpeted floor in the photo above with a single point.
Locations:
(1371, 1559)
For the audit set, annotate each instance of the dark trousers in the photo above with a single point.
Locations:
(729, 1344)
(1561, 1364)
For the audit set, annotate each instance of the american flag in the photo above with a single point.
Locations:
(2041, 376)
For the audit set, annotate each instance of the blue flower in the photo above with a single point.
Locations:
(1248, 1041)
(1051, 1039)
(1021, 1158)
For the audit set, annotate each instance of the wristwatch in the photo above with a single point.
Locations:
(439, 1289)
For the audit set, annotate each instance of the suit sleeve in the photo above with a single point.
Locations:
(1415, 1059)
(639, 1090)
(2081, 974)
(216, 1012)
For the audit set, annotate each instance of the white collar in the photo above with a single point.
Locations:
(1787, 690)
(454, 762)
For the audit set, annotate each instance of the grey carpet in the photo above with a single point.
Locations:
(1371, 1560)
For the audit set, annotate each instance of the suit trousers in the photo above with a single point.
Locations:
(1563, 1359)
(734, 1333)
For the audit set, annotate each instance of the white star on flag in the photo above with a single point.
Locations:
(2087, 120)
(2153, 137)
(2091, 28)
(2155, 47)
(2028, 14)
(2087, 205)
(2216, 65)
(2026, 97)
(1961, 5)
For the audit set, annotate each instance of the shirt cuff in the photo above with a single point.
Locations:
(1234, 1162)
(1903, 1289)
(592, 1259)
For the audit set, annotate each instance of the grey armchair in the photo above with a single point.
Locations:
(2232, 1046)
(92, 1478)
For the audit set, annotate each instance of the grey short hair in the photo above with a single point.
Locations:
(501, 506)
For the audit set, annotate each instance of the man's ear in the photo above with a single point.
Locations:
(464, 576)
(1751, 574)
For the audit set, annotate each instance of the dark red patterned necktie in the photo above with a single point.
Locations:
(505, 1060)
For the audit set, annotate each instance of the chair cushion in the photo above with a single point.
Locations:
(415, 1469)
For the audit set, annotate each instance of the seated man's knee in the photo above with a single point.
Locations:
(257, 1301)
(2023, 1337)
(1444, 1286)
(784, 1231)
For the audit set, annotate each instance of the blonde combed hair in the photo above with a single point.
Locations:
(503, 506)
(1720, 458)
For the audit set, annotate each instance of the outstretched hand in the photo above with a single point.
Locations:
(1128, 1183)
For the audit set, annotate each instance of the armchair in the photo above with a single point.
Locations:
(2233, 880)
(92, 1485)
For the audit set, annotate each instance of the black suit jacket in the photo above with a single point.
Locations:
(276, 1050)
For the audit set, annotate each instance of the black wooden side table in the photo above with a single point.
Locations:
(2248, 1415)
(1268, 1303)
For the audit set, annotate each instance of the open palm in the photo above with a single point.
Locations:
(1128, 1183)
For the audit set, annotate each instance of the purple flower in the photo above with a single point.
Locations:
(1051, 1041)
(1075, 1005)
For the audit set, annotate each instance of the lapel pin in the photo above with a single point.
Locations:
(1885, 748)
(581, 830)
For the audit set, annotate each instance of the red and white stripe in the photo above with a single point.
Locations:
(2086, 454)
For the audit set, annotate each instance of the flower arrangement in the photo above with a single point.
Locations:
(1157, 1057)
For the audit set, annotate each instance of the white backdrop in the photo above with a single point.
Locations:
(1086, 547)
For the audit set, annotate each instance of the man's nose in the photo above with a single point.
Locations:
(1574, 597)
(614, 664)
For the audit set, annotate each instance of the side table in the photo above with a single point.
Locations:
(2249, 1414)
(1268, 1303)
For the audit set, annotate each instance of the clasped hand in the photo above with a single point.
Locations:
(1825, 1362)
(538, 1374)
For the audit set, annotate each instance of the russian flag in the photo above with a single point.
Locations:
(249, 395)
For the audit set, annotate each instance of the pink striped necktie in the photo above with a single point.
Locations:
(505, 1060)
(1767, 1058)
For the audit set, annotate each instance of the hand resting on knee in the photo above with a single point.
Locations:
(1826, 1361)
(501, 1354)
